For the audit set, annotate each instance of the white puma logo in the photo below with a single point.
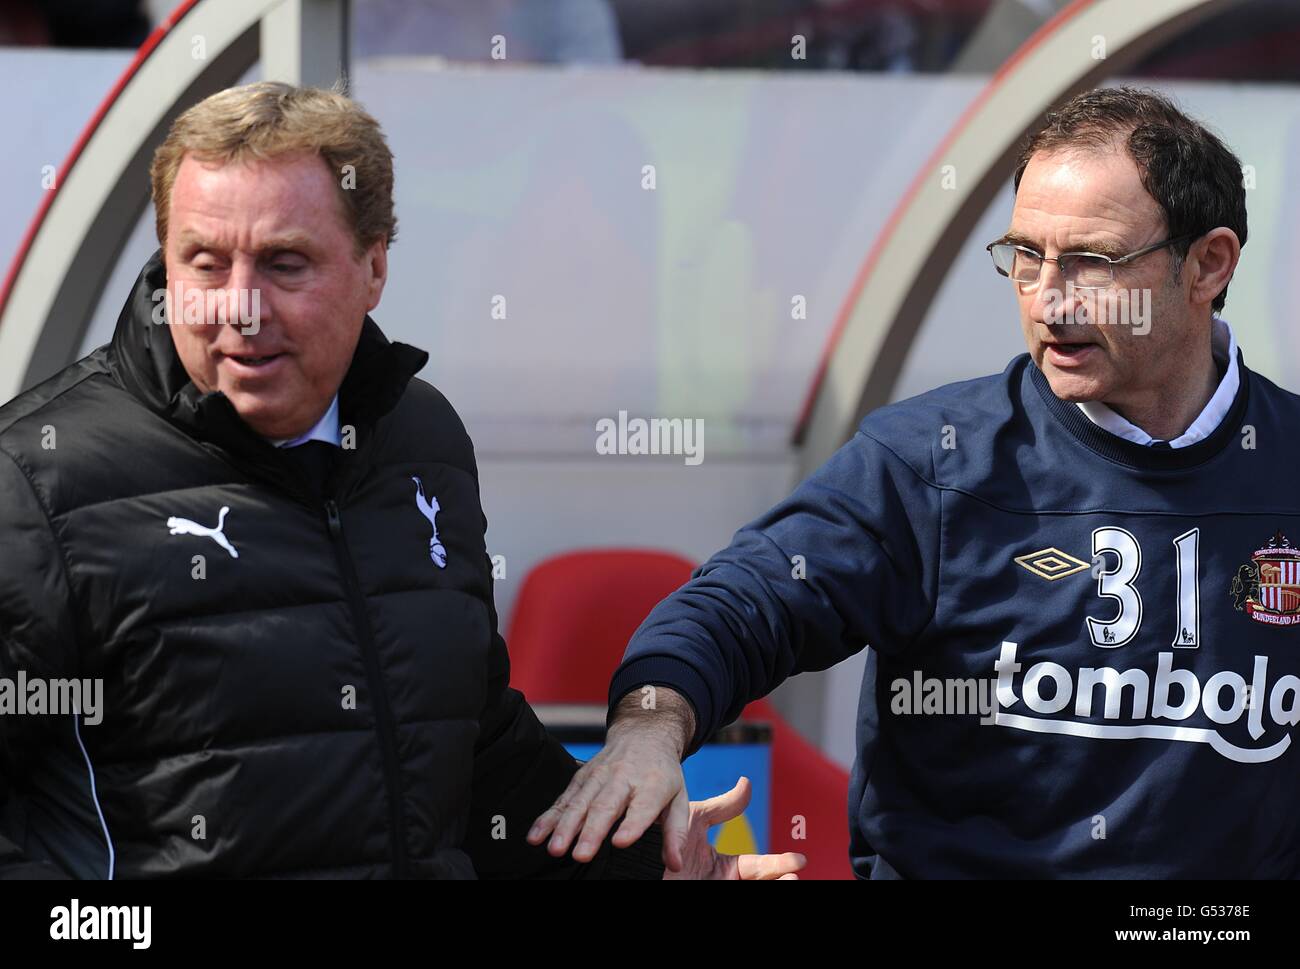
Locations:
(429, 508)
(183, 526)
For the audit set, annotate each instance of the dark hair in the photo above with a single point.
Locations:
(1192, 175)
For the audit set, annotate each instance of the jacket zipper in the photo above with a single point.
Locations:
(383, 714)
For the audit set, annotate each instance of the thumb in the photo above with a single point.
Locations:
(724, 807)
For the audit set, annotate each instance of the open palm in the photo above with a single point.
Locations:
(701, 861)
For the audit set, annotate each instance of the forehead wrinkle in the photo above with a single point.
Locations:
(278, 204)
(214, 232)
(1074, 235)
(1085, 201)
(1049, 230)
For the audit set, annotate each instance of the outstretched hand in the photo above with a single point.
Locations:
(702, 861)
(637, 776)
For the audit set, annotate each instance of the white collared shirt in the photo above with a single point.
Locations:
(326, 429)
(1223, 345)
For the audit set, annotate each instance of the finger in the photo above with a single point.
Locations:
(724, 807)
(548, 819)
(606, 808)
(575, 813)
(676, 824)
(770, 867)
(648, 803)
(792, 877)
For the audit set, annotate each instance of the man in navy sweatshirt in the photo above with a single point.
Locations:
(1099, 540)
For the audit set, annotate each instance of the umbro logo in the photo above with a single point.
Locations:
(1050, 563)
(183, 526)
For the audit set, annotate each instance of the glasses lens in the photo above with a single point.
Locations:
(1010, 261)
(1026, 266)
(1089, 272)
(1003, 257)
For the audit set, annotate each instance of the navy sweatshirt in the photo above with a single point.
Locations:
(1131, 615)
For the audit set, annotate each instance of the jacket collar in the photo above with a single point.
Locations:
(144, 359)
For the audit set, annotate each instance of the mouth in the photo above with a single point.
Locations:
(1069, 354)
(247, 365)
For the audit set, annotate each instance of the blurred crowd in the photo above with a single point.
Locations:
(1252, 40)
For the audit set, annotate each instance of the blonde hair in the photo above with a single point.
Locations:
(270, 118)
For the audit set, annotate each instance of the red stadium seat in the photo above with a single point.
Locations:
(575, 615)
(571, 624)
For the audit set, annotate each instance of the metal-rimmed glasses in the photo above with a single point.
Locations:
(1082, 270)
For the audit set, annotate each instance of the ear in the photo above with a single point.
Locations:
(1212, 260)
(376, 258)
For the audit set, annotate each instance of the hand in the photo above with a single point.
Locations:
(636, 776)
(703, 862)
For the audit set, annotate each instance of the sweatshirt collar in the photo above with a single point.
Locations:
(1223, 346)
(1142, 456)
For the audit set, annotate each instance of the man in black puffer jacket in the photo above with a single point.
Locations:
(263, 538)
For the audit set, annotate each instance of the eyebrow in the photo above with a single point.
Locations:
(1095, 246)
(292, 240)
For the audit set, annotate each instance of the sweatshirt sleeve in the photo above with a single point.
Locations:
(850, 559)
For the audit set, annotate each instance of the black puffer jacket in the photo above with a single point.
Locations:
(228, 744)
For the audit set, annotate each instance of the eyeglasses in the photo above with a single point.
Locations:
(1082, 270)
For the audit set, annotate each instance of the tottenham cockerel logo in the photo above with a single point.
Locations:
(429, 508)
(1267, 589)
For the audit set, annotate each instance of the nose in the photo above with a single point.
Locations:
(245, 304)
(1052, 302)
